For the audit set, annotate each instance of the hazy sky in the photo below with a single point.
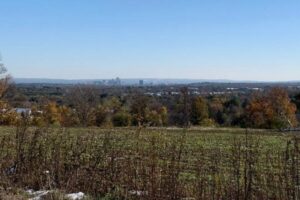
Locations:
(199, 39)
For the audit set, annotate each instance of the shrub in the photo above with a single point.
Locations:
(121, 119)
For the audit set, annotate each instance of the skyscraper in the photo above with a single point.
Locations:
(141, 82)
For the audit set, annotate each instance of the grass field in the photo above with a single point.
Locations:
(161, 163)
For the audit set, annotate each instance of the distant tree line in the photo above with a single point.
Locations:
(85, 105)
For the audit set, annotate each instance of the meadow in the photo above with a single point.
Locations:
(152, 163)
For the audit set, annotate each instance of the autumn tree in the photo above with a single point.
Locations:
(216, 109)
(113, 104)
(163, 112)
(111, 112)
(7, 115)
(100, 115)
(158, 117)
(272, 109)
(37, 117)
(139, 109)
(199, 110)
(51, 113)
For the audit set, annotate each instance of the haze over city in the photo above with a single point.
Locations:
(255, 40)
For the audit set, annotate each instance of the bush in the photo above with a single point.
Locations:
(121, 119)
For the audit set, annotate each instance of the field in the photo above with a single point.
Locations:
(158, 163)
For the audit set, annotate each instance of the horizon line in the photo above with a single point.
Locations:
(224, 80)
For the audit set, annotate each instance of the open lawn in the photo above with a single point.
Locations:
(158, 163)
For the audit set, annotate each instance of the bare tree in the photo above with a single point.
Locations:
(186, 106)
(84, 100)
(5, 83)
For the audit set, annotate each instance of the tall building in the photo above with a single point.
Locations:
(118, 81)
(141, 82)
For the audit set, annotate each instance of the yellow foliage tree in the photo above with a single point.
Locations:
(52, 114)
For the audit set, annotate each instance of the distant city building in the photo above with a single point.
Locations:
(118, 81)
(112, 82)
(141, 82)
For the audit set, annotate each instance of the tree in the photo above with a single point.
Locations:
(5, 83)
(7, 115)
(216, 110)
(272, 109)
(121, 119)
(139, 110)
(157, 113)
(37, 117)
(296, 101)
(233, 112)
(68, 117)
(199, 111)
(52, 114)
(186, 106)
(83, 99)
(100, 115)
(113, 104)
(163, 111)
(106, 112)
(179, 109)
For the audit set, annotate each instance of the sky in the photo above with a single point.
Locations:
(192, 39)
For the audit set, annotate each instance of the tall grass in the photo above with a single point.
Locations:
(151, 164)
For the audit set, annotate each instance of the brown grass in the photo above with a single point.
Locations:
(152, 164)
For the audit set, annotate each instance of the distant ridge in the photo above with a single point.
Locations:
(45, 80)
(135, 81)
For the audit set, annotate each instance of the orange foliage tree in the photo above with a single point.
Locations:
(272, 109)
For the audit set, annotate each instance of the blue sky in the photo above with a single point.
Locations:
(197, 39)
